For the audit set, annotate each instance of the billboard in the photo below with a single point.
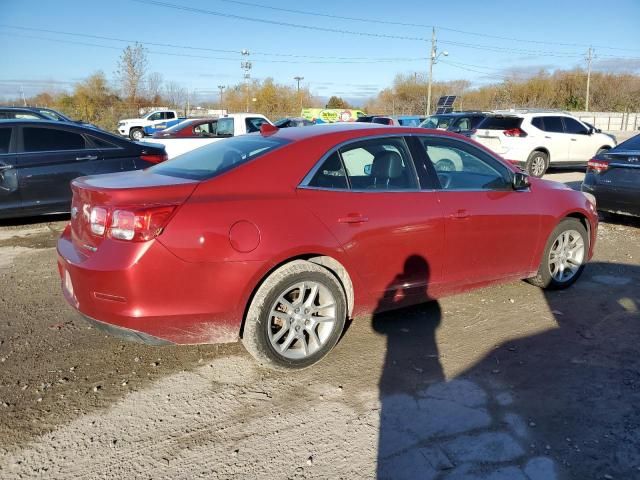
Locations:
(331, 115)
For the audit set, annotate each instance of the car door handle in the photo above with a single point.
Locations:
(459, 214)
(547, 136)
(353, 218)
(574, 139)
(87, 157)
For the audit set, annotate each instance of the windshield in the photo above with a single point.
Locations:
(409, 122)
(216, 158)
(437, 121)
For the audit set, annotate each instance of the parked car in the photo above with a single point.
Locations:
(463, 123)
(137, 128)
(191, 128)
(39, 158)
(367, 118)
(277, 237)
(399, 120)
(613, 177)
(535, 140)
(293, 122)
(230, 125)
(37, 113)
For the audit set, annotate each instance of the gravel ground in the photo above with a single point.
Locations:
(504, 383)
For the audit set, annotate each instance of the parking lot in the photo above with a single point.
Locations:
(506, 382)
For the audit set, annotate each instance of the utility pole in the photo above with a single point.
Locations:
(221, 88)
(433, 59)
(590, 56)
(298, 79)
(24, 100)
(246, 66)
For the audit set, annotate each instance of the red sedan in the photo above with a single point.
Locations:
(278, 237)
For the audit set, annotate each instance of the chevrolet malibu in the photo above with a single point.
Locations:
(278, 237)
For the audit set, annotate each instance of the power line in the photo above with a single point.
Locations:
(346, 32)
(190, 47)
(416, 25)
(277, 22)
(234, 59)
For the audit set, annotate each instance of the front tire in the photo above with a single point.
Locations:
(537, 164)
(136, 134)
(296, 317)
(564, 256)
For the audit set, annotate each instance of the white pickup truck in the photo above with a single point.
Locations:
(137, 128)
(195, 133)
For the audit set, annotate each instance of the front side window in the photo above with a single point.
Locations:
(553, 124)
(212, 159)
(254, 124)
(52, 115)
(205, 129)
(573, 126)
(225, 127)
(155, 116)
(5, 139)
(463, 124)
(461, 166)
(50, 139)
(27, 116)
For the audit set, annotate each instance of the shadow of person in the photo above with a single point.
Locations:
(411, 361)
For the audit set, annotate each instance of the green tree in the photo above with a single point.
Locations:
(336, 102)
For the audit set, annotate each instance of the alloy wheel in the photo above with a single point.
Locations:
(301, 320)
(566, 255)
(537, 166)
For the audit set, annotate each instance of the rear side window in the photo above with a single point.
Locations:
(5, 140)
(215, 158)
(50, 139)
(500, 123)
(331, 174)
(553, 124)
(225, 127)
(100, 143)
(538, 123)
(170, 115)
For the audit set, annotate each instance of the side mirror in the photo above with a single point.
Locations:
(520, 181)
(367, 169)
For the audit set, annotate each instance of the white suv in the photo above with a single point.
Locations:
(536, 139)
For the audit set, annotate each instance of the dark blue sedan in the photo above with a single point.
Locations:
(39, 158)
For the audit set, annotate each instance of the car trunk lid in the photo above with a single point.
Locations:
(623, 169)
(125, 190)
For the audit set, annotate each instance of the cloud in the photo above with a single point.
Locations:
(617, 65)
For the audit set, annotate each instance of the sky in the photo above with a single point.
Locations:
(51, 44)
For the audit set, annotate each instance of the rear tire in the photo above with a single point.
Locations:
(564, 256)
(136, 134)
(537, 164)
(296, 317)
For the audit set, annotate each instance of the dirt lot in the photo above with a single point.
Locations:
(501, 383)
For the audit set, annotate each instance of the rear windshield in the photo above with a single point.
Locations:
(500, 123)
(215, 158)
(409, 122)
(632, 144)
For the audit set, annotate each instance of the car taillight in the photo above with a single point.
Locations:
(98, 220)
(132, 224)
(514, 132)
(155, 158)
(597, 166)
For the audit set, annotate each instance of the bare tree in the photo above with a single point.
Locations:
(132, 68)
(154, 87)
(175, 94)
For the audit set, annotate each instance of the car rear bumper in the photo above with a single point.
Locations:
(619, 200)
(124, 333)
(143, 290)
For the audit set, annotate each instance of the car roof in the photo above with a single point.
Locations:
(359, 129)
